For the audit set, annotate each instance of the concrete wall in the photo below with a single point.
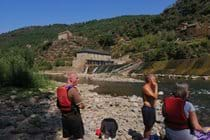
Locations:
(79, 64)
(80, 61)
(93, 56)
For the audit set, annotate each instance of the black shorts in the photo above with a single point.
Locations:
(148, 116)
(72, 125)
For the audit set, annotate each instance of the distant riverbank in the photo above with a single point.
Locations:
(174, 76)
(97, 77)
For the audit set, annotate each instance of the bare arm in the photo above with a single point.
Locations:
(194, 121)
(155, 86)
(77, 98)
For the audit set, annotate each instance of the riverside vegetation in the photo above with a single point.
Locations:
(17, 69)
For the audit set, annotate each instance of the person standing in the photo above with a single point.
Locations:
(150, 95)
(70, 103)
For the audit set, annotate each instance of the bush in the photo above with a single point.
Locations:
(40, 81)
(16, 71)
(20, 75)
(59, 62)
(4, 72)
(44, 65)
(46, 45)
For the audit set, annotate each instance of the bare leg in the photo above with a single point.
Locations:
(65, 139)
(147, 132)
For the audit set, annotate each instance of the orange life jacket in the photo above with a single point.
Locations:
(64, 103)
(174, 113)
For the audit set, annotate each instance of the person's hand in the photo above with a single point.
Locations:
(154, 83)
(206, 129)
(81, 106)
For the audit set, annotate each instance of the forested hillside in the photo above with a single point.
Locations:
(146, 37)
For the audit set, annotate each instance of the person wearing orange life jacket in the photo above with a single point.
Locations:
(180, 116)
(69, 102)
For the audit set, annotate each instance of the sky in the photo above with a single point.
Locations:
(16, 14)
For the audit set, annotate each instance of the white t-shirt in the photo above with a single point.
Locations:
(188, 107)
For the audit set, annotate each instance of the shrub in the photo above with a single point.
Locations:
(4, 72)
(44, 65)
(59, 62)
(16, 71)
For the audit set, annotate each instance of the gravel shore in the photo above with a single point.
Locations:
(39, 118)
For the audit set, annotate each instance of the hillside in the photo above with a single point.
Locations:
(124, 26)
(196, 66)
(33, 35)
(145, 37)
(60, 53)
(102, 32)
(185, 11)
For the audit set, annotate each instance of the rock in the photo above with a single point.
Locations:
(13, 97)
(33, 100)
(161, 93)
(34, 130)
(5, 121)
(205, 77)
(8, 137)
(20, 117)
(133, 98)
(14, 91)
(26, 112)
(135, 105)
(7, 130)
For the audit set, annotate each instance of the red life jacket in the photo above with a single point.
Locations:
(62, 97)
(174, 113)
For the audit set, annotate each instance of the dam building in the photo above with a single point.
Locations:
(88, 57)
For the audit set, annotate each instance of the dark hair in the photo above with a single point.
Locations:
(109, 127)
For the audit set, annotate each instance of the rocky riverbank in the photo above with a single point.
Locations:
(97, 77)
(108, 77)
(126, 110)
(38, 117)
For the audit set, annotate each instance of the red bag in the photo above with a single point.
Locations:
(98, 132)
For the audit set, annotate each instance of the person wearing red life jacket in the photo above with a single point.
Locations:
(180, 115)
(150, 95)
(69, 102)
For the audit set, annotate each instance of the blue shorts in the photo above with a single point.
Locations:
(148, 116)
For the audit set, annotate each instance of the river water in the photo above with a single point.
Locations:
(199, 89)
